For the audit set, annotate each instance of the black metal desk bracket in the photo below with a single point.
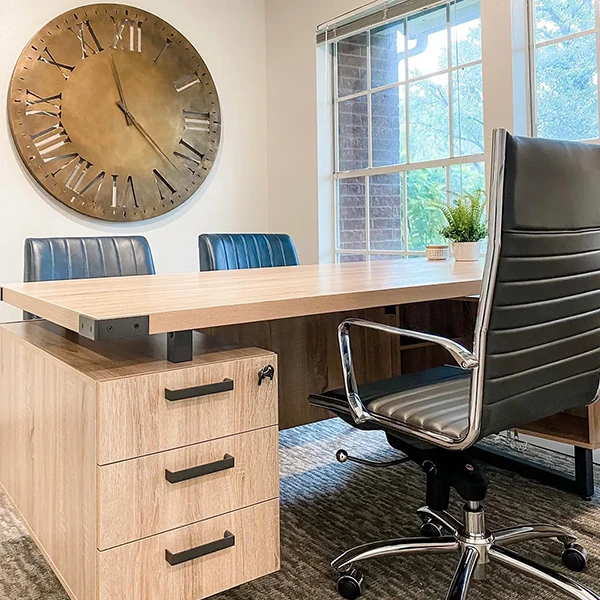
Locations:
(113, 329)
(582, 484)
(180, 346)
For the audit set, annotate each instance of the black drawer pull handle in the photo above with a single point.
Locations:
(228, 541)
(228, 462)
(201, 390)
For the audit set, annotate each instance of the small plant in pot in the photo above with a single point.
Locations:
(465, 224)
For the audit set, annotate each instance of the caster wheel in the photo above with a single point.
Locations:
(350, 584)
(575, 558)
(430, 529)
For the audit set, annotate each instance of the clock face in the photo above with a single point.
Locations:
(114, 113)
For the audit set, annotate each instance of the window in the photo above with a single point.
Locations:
(408, 114)
(564, 78)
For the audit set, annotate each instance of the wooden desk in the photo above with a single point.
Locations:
(169, 303)
(293, 311)
(94, 420)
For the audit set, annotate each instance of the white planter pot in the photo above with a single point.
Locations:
(464, 251)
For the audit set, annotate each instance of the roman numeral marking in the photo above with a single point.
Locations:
(194, 159)
(75, 170)
(128, 192)
(47, 107)
(196, 121)
(50, 139)
(186, 82)
(64, 70)
(167, 44)
(94, 47)
(114, 191)
(133, 29)
(78, 174)
(163, 184)
(95, 183)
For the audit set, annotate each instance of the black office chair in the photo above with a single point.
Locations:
(51, 259)
(225, 251)
(537, 353)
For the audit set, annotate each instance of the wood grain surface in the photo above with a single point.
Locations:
(139, 571)
(210, 299)
(135, 500)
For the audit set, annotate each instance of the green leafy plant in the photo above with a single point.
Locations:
(465, 217)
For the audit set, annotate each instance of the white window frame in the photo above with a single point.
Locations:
(403, 168)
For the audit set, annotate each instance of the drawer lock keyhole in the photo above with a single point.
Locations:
(267, 372)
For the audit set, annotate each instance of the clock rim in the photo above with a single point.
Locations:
(29, 167)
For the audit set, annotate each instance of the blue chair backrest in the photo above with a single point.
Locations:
(51, 259)
(225, 251)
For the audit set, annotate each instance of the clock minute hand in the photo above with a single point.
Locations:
(120, 88)
(148, 137)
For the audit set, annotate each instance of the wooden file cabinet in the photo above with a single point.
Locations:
(131, 491)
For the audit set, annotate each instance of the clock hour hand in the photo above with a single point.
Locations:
(120, 88)
(148, 137)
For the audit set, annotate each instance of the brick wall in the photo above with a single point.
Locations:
(385, 210)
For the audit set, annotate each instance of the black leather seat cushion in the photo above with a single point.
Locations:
(436, 399)
(225, 251)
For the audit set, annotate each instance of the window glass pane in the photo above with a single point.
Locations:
(347, 258)
(427, 39)
(467, 110)
(388, 127)
(353, 137)
(387, 54)
(428, 119)
(465, 23)
(469, 177)
(351, 218)
(352, 64)
(567, 89)
(385, 212)
(423, 186)
(557, 18)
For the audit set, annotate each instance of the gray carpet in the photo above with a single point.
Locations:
(327, 508)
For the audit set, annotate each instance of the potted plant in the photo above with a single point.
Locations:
(465, 224)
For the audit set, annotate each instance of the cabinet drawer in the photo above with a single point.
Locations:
(145, 496)
(153, 413)
(141, 571)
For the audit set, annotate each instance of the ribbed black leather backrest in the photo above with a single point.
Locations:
(225, 251)
(543, 340)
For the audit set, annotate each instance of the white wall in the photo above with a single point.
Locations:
(230, 36)
(292, 116)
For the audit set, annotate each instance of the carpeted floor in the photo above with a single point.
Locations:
(326, 508)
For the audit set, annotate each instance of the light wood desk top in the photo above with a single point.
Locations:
(178, 302)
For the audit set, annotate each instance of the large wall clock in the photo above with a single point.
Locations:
(114, 113)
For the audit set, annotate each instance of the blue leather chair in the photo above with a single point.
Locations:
(226, 251)
(51, 259)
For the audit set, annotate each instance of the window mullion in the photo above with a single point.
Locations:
(531, 68)
(404, 213)
(369, 109)
(450, 83)
(597, 15)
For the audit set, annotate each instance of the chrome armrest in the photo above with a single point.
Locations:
(465, 359)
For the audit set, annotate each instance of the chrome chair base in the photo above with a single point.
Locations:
(477, 548)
